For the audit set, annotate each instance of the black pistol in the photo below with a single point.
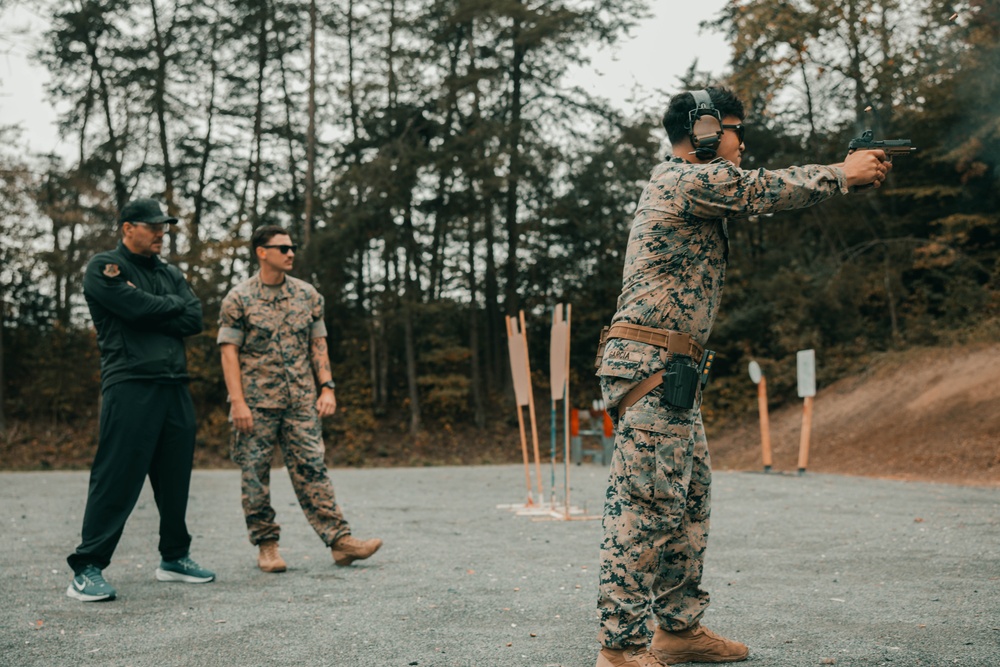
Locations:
(867, 142)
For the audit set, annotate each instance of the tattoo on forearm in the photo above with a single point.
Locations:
(320, 358)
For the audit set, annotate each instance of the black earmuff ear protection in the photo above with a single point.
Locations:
(704, 126)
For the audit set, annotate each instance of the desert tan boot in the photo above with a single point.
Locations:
(269, 560)
(348, 549)
(696, 644)
(629, 657)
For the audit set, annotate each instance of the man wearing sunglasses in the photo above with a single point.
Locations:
(653, 366)
(277, 369)
(142, 309)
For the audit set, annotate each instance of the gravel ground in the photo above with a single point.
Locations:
(810, 570)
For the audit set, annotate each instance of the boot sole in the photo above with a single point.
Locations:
(347, 560)
(276, 568)
(678, 659)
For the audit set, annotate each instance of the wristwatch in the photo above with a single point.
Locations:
(329, 384)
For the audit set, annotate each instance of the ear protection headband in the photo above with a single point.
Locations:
(704, 126)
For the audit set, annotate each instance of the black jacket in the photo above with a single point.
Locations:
(140, 329)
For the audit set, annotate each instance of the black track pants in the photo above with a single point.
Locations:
(146, 428)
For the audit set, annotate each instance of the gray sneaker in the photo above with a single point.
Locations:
(89, 586)
(185, 570)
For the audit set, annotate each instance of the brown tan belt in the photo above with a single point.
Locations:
(674, 342)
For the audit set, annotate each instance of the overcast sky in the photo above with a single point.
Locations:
(651, 59)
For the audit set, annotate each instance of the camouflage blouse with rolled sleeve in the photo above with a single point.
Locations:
(274, 329)
(675, 262)
(678, 246)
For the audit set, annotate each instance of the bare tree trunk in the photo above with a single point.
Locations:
(392, 84)
(409, 299)
(885, 111)
(441, 222)
(375, 314)
(114, 157)
(494, 356)
(160, 104)
(311, 130)
(382, 404)
(383, 364)
(511, 300)
(475, 380)
(494, 315)
(293, 171)
(857, 57)
(352, 101)
(810, 112)
(88, 102)
(890, 298)
(194, 233)
(258, 118)
(66, 304)
(3, 379)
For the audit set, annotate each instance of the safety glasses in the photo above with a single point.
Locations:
(283, 249)
(740, 130)
(155, 227)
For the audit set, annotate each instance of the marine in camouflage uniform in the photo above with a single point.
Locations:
(279, 338)
(656, 516)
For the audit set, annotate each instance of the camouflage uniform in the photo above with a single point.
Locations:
(273, 329)
(656, 514)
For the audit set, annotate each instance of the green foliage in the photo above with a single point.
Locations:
(458, 179)
(53, 376)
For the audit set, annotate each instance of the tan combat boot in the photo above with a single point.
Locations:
(269, 560)
(696, 644)
(348, 549)
(629, 657)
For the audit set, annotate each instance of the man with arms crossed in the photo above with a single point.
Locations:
(142, 309)
(274, 356)
(657, 506)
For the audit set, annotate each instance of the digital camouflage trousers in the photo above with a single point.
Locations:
(297, 431)
(656, 519)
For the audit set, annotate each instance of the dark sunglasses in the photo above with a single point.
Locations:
(740, 130)
(283, 249)
(154, 226)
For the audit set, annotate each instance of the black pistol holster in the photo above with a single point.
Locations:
(680, 384)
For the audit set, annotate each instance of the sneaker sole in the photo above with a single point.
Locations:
(167, 575)
(83, 597)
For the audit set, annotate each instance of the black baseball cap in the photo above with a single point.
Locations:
(144, 210)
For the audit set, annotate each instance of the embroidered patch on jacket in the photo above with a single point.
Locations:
(112, 270)
(620, 355)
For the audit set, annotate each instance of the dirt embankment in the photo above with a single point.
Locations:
(928, 414)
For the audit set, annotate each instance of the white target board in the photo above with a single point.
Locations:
(805, 361)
